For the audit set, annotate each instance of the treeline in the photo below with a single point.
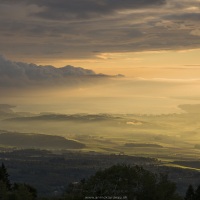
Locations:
(117, 182)
(16, 191)
(192, 194)
(56, 170)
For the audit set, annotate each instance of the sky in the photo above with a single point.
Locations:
(155, 44)
(104, 35)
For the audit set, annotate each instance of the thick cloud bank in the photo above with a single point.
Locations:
(85, 29)
(60, 9)
(22, 74)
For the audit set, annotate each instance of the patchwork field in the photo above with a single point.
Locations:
(170, 138)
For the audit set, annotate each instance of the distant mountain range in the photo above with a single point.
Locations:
(63, 117)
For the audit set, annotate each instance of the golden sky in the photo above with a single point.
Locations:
(151, 64)
(150, 38)
(84, 44)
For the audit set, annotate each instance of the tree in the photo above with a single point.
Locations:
(166, 189)
(190, 193)
(4, 176)
(131, 182)
(4, 193)
(21, 190)
(17, 191)
(197, 193)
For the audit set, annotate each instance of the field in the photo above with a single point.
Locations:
(170, 138)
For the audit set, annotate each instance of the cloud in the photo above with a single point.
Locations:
(62, 9)
(188, 16)
(14, 74)
(88, 8)
(190, 108)
(195, 32)
(79, 29)
(5, 108)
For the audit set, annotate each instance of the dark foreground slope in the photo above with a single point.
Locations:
(50, 173)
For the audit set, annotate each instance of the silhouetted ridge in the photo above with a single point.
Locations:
(41, 141)
(142, 145)
(62, 117)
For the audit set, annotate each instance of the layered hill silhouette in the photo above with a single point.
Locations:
(63, 117)
(41, 141)
(143, 145)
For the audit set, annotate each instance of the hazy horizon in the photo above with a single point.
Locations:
(72, 89)
(98, 56)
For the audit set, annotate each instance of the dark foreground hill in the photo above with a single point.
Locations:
(41, 141)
